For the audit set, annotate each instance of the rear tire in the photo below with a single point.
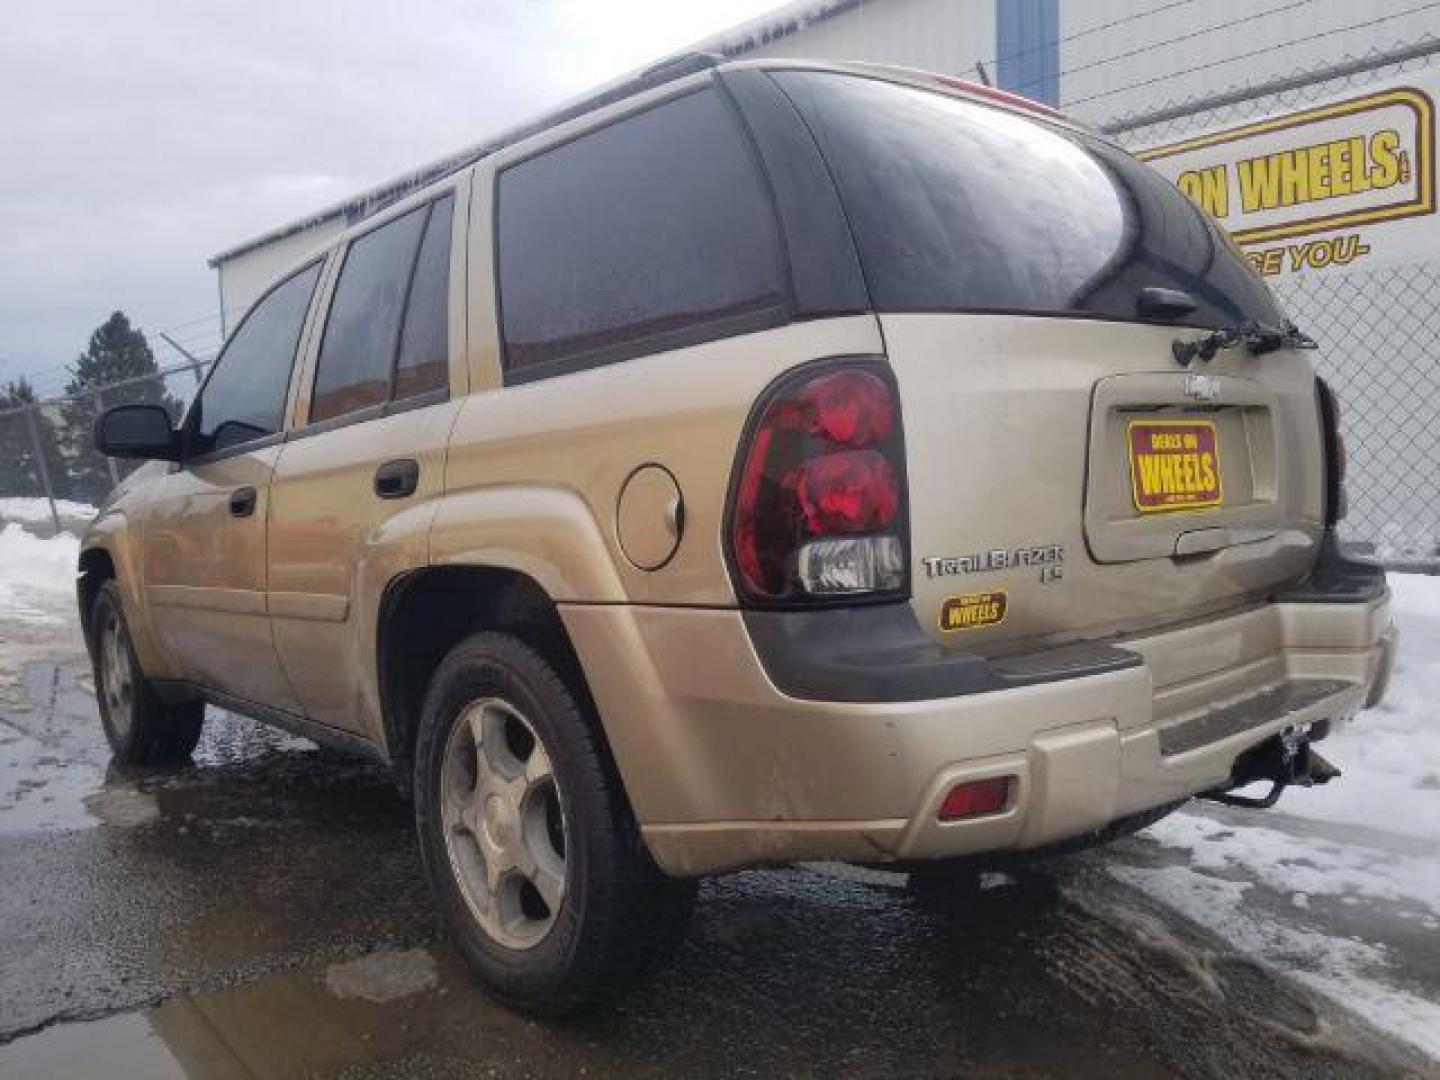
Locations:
(527, 839)
(141, 729)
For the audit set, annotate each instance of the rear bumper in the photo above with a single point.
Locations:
(725, 769)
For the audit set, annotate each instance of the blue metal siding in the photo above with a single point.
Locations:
(1027, 48)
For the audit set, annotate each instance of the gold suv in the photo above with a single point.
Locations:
(761, 461)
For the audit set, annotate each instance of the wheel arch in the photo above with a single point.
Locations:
(96, 566)
(425, 612)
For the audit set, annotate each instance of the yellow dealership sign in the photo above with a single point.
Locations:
(1346, 184)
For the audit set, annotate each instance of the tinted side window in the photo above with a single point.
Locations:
(957, 206)
(244, 398)
(651, 233)
(423, 364)
(358, 350)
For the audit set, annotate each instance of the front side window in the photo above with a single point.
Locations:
(652, 232)
(958, 206)
(389, 309)
(244, 398)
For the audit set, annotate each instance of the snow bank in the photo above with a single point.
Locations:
(37, 576)
(30, 510)
(1390, 755)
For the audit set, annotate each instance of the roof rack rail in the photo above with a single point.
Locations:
(677, 67)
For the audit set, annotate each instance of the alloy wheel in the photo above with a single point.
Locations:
(505, 831)
(117, 675)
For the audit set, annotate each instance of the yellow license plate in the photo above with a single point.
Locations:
(1174, 465)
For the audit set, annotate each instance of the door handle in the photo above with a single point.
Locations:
(397, 479)
(242, 501)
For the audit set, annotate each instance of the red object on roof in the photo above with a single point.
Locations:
(1004, 97)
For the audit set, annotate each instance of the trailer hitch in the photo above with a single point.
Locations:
(1287, 760)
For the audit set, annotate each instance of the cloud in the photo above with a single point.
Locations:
(140, 138)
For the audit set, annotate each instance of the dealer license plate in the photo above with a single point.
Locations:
(1174, 465)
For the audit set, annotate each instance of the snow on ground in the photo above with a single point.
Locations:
(1354, 973)
(37, 604)
(37, 576)
(1390, 755)
(1303, 866)
(1308, 850)
(36, 511)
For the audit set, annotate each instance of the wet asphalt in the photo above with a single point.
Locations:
(261, 913)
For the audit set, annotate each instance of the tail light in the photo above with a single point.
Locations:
(818, 508)
(1335, 454)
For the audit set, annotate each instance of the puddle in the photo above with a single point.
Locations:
(47, 767)
(128, 1045)
(287, 1024)
(56, 772)
(384, 976)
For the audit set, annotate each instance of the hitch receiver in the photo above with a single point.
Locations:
(1285, 760)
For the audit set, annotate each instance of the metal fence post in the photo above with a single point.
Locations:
(40, 465)
(195, 366)
(109, 461)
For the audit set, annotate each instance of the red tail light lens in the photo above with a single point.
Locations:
(849, 407)
(850, 492)
(818, 510)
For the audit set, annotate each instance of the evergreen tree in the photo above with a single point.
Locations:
(21, 474)
(117, 352)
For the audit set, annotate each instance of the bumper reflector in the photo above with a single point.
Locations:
(976, 798)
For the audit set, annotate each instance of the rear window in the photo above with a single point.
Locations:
(957, 206)
(648, 234)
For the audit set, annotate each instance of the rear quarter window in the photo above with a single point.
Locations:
(958, 206)
(651, 233)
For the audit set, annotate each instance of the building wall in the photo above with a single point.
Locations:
(244, 277)
(1119, 58)
(947, 36)
(1027, 56)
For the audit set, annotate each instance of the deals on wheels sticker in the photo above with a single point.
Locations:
(1174, 465)
(1349, 183)
(973, 610)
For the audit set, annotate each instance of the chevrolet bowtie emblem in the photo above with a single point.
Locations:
(1201, 387)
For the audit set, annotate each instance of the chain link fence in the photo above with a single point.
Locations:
(51, 475)
(1378, 330)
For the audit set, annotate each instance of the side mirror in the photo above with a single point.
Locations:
(137, 431)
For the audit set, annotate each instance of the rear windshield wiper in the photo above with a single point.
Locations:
(1258, 337)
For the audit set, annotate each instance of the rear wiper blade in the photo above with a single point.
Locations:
(1258, 337)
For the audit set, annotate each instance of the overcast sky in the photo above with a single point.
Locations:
(139, 138)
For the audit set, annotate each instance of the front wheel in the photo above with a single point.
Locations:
(141, 729)
(526, 836)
